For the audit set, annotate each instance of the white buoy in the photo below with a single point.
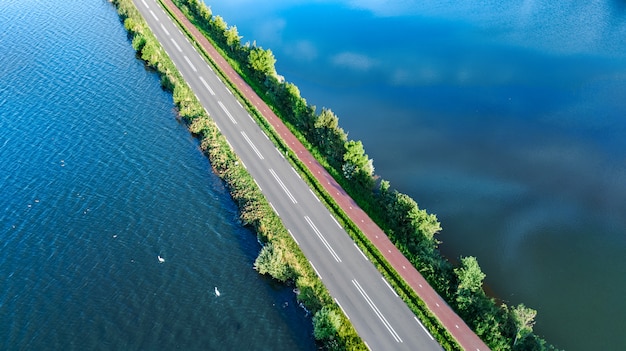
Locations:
(217, 292)
(161, 259)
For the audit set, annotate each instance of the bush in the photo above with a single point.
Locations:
(326, 323)
(271, 261)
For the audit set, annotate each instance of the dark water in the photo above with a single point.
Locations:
(98, 179)
(505, 118)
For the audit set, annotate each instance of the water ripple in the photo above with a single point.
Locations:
(97, 180)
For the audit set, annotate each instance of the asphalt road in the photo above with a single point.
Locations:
(380, 317)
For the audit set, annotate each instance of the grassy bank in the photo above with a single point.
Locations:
(412, 229)
(280, 256)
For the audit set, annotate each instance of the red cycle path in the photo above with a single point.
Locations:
(452, 322)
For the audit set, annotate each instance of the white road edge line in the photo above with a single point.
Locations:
(257, 184)
(334, 220)
(376, 311)
(252, 145)
(312, 193)
(282, 185)
(243, 164)
(315, 269)
(342, 310)
(389, 286)
(421, 325)
(361, 252)
(319, 235)
(208, 114)
(280, 153)
(274, 208)
(294, 171)
(293, 237)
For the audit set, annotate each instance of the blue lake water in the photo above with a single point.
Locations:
(505, 118)
(97, 180)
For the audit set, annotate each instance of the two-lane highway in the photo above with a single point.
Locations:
(380, 317)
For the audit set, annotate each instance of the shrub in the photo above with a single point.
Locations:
(271, 261)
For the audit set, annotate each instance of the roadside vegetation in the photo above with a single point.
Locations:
(280, 256)
(413, 230)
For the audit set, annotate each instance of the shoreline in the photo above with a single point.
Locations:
(254, 210)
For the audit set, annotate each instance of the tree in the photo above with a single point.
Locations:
(286, 97)
(523, 319)
(532, 342)
(487, 327)
(327, 120)
(470, 297)
(329, 137)
(133, 26)
(151, 53)
(306, 118)
(326, 323)
(233, 39)
(421, 222)
(200, 9)
(219, 25)
(261, 62)
(356, 160)
(469, 274)
(384, 190)
(411, 225)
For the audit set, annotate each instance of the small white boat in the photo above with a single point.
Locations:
(217, 292)
(161, 259)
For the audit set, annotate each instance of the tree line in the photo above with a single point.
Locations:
(412, 229)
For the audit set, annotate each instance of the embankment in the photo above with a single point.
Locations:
(280, 256)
